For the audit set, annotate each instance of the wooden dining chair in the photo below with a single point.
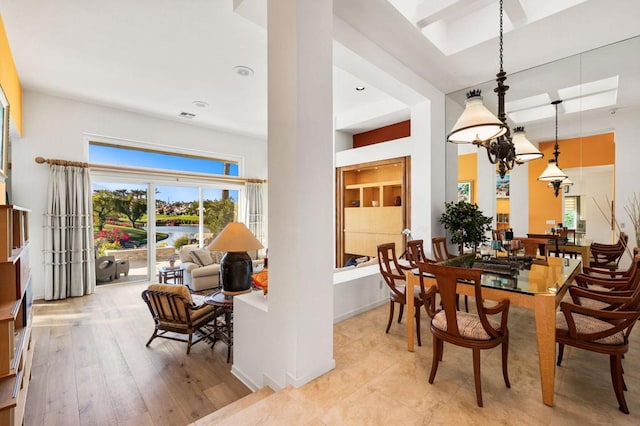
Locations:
(608, 255)
(604, 331)
(394, 276)
(416, 253)
(627, 280)
(439, 248)
(475, 331)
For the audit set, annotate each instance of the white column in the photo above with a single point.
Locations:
(295, 342)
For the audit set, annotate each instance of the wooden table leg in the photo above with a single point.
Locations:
(412, 280)
(545, 317)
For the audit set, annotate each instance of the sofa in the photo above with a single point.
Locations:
(201, 267)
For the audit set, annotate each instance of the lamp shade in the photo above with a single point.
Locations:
(567, 182)
(477, 123)
(552, 173)
(235, 237)
(525, 150)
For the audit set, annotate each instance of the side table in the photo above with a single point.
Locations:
(174, 273)
(223, 327)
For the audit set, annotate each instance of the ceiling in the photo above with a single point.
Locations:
(167, 57)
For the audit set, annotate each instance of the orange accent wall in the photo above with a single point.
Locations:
(586, 151)
(383, 134)
(468, 171)
(9, 80)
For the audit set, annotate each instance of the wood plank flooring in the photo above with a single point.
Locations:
(91, 366)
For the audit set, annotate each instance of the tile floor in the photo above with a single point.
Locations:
(378, 382)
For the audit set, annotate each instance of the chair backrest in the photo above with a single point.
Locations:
(447, 281)
(390, 269)
(168, 303)
(609, 253)
(439, 248)
(415, 253)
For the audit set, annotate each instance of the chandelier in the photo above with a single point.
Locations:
(553, 174)
(479, 126)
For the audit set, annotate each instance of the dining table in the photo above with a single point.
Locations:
(579, 245)
(539, 288)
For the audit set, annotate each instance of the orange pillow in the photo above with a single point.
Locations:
(261, 279)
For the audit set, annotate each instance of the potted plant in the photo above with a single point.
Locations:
(466, 223)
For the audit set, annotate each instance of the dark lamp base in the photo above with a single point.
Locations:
(235, 272)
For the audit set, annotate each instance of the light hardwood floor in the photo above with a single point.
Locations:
(91, 367)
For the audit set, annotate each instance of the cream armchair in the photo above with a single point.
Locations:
(200, 272)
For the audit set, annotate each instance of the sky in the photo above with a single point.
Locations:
(169, 193)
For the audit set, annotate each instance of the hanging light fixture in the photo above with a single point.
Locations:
(553, 174)
(478, 125)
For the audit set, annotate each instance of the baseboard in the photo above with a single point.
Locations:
(240, 375)
(360, 310)
(301, 381)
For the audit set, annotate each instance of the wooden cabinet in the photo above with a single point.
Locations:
(372, 202)
(16, 345)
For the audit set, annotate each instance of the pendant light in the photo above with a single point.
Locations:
(478, 125)
(553, 174)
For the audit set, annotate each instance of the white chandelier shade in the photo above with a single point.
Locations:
(525, 150)
(477, 123)
(552, 173)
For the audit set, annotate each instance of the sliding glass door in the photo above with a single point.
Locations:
(120, 232)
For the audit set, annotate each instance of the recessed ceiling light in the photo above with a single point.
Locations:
(243, 71)
(359, 88)
(200, 104)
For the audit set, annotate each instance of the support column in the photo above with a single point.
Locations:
(301, 205)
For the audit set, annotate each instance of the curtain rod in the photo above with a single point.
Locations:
(137, 170)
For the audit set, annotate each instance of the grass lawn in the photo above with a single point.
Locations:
(138, 236)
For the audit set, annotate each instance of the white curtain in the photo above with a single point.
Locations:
(254, 217)
(69, 257)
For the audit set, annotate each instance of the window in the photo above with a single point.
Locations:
(571, 211)
(103, 153)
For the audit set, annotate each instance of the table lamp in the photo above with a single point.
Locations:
(236, 266)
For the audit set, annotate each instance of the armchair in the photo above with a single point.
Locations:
(173, 311)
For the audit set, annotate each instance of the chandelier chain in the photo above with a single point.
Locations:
(501, 43)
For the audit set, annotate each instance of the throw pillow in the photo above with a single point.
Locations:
(217, 256)
(201, 257)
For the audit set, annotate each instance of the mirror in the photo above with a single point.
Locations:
(598, 88)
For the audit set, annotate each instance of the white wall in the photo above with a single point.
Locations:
(57, 128)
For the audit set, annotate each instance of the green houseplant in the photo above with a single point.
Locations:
(466, 223)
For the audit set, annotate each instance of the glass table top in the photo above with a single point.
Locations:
(544, 277)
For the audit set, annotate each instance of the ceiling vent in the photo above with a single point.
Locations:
(187, 115)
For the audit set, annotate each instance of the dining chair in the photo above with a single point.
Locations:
(608, 255)
(416, 253)
(604, 331)
(475, 331)
(441, 253)
(394, 276)
(626, 280)
(439, 248)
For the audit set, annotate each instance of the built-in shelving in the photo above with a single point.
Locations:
(371, 209)
(16, 344)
